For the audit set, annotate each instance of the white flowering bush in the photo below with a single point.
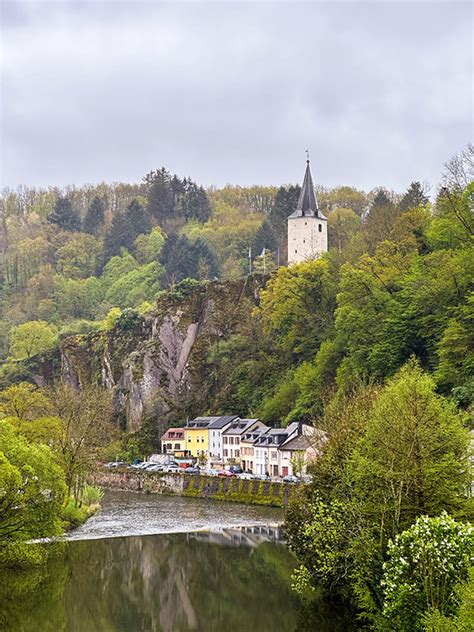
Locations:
(424, 564)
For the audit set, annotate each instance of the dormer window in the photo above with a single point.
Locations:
(320, 228)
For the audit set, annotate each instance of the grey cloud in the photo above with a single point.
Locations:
(234, 92)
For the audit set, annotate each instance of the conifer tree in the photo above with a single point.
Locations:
(94, 218)
(64, 215)
(119, 236)
(138, 219)
(264, 238)
(160, 195)
(413, 198)
(284, 204)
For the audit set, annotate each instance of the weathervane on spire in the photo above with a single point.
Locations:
(307, 156)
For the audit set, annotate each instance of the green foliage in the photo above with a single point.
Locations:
(424, 564)
(434, 621)
(412, 458)
(32, 489)
(64, 215)
(94, 219)
(147, 248)
(128, 320)
(31, 338)
(91, 495)
(73, 515)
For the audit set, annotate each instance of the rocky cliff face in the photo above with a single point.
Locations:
(157, 364)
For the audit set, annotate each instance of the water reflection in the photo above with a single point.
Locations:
(227, 577)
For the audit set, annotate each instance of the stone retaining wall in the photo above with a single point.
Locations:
(254, 492)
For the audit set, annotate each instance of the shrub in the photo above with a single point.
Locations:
(424, 564)
(92, 495)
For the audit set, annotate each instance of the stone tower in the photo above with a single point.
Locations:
(307, 226)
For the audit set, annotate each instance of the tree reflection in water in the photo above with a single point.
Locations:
(236, 579)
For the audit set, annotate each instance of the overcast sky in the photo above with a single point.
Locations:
(379, 92)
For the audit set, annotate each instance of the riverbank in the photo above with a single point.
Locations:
(251, 492)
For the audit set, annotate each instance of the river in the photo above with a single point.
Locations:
(166, 564)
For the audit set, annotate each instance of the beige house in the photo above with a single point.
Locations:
(247, 447)
(300, 451)
(231, 438)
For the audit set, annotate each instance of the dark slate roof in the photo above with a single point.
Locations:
(239, 426)
(200, 422)
(307, 204)
(302, 442)
(220, 422)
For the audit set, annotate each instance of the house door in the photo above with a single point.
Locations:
(284, 471)
(275, 470)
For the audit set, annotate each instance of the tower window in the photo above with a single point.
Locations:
(306, 223)
(320, 228)
(296, 252)
(304, 241)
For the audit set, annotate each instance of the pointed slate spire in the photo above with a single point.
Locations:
(307, 204)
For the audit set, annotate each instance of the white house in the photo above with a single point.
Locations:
(216, 428)
(266, 449)
(307, 226)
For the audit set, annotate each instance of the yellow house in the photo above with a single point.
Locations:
(196, 434)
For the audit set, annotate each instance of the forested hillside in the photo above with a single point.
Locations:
(396, 282)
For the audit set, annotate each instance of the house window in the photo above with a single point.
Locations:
(225, 439)
(189, 439)
(176, 446)
(273, 456)
(306, 223)
(225, 452)
(237, 453)
(320, 228)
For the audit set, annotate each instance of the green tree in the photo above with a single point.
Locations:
(412, 458)
(31, 338)
(79, 257)
(23, 401)
(32, 490)
(95, 216)
(264, 238)
(64, 215)
(85, 425)
(138, 220)
(148, 247)
(414, 196)
(297, 306)
(119, 236)
(161, 199)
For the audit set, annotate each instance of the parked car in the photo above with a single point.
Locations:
(211, 472)
(291, 479)
(172, 468)
(246, 476)
(192, 470)
(114, 464)
(261, 477)
(227, 474)
(236, 469)
(154, 467)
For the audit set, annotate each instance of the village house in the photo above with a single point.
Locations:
(297, 452)
(173, 442)
(196, 434)
(216, 428)
(232, 436)
(247, 442)
(266, 449)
